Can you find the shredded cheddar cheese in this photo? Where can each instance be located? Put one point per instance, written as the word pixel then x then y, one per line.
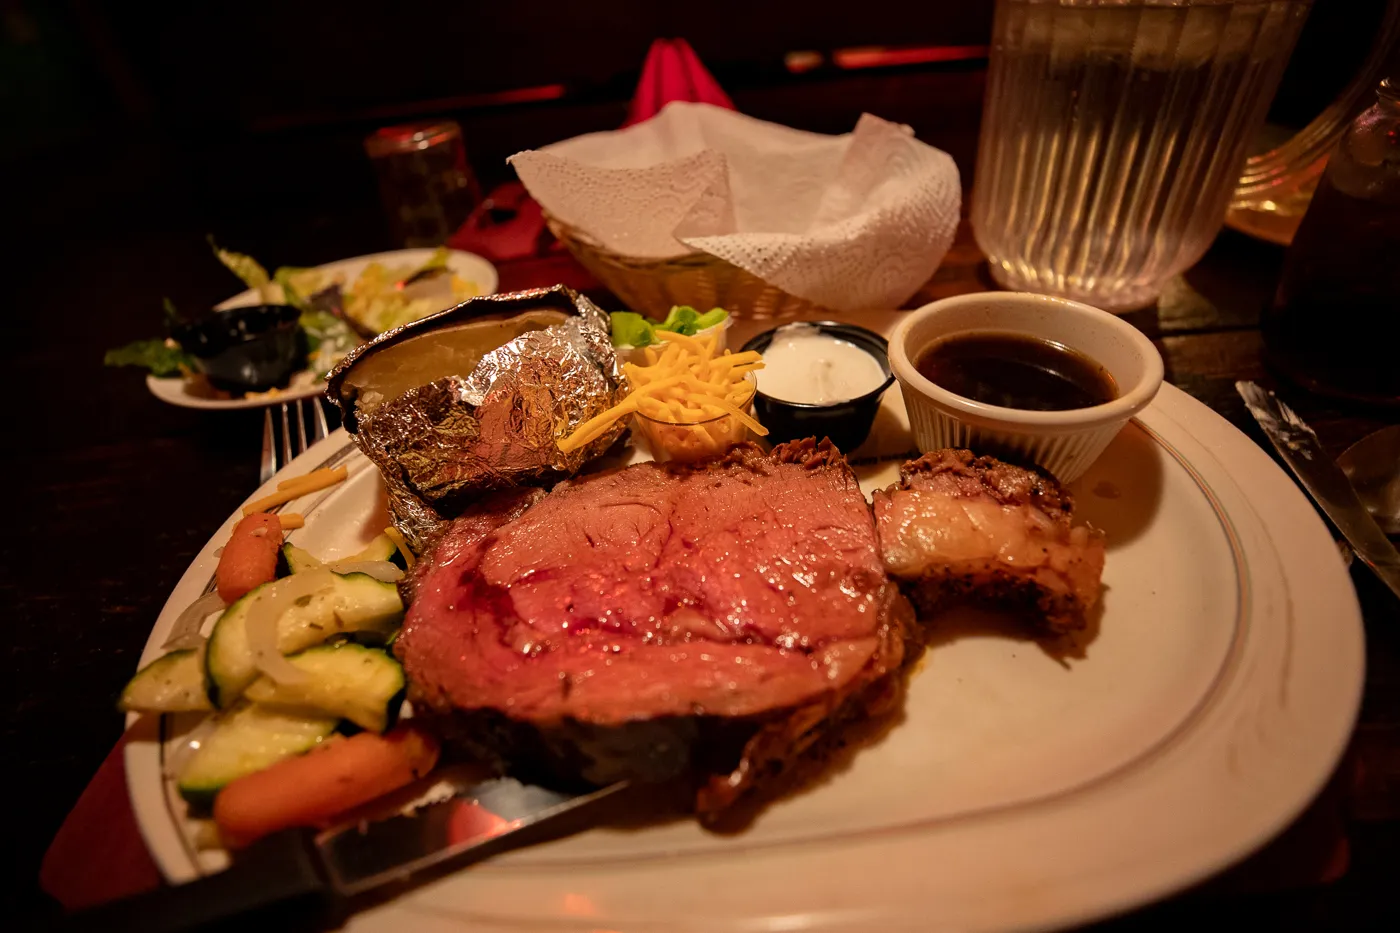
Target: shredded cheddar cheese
pixel 685 386
pixel 319 479
pixel 288 490
pixel 393 535
pixel 290 520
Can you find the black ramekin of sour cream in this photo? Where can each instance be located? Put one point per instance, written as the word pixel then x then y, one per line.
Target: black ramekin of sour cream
pixel 846 421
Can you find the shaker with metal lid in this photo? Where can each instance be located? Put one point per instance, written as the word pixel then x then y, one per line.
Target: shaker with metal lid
pixel 1334 326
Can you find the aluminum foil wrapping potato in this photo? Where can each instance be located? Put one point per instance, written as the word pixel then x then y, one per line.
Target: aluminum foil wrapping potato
pixel 473 399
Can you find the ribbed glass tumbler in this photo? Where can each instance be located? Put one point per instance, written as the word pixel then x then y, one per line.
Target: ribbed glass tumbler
pixel 1113 134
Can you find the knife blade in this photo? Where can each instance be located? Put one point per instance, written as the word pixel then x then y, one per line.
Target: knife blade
pixel 1299 447
pixel 301 879
pixel 458 814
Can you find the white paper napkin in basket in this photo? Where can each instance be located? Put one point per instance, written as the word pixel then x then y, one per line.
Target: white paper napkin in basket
pixel 848 222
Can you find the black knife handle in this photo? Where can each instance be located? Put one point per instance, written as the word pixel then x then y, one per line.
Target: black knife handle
pixel 274 884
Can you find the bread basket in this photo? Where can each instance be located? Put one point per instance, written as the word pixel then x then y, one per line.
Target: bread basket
pixel 654 286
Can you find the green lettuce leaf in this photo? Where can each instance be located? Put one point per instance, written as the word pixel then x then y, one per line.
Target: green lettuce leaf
pixel 298 285
pixel 438 260
pixel 681 320
pixel 710 318
pixel 246 268
pixel 158 356
pixel 631 330
pixel 328 339
pixel 172 314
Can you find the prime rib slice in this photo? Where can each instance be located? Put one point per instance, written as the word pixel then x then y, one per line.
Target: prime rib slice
pixel 713 619
pixel 959 526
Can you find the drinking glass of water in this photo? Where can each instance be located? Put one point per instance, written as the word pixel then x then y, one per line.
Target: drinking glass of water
pixel 1113 134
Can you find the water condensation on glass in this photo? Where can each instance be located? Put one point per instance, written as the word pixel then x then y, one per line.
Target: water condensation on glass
pixel 1113 134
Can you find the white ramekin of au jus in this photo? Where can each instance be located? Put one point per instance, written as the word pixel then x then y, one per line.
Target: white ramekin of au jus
pixel 1064 443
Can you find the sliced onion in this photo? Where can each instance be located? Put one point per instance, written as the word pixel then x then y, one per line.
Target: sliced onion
pixel 314 565
pixel 266 611
pixel 186 632
pixel 381 570
pixel 179 753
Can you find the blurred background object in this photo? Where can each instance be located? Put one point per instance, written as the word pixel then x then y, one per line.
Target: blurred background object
pixel 1277 185
pixel 425 184
pixel 1335 323
pixel 192 134
pixel 672 71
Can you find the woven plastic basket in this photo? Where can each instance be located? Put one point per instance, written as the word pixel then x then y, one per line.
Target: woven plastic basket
pixel 654 286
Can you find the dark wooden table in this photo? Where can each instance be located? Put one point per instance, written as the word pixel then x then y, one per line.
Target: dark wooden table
pixel 113 493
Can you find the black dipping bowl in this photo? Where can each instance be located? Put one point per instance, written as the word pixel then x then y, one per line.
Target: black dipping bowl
pixel 246 349
pixel 846 423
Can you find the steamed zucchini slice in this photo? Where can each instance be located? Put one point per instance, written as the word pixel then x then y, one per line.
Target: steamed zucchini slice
pixel 363 685
pixel 352 602
pixel 172 683
pixel 382 548
pixel 298 560
pixel 244 740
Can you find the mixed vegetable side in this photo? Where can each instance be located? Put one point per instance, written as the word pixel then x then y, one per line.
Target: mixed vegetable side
pixel 297 672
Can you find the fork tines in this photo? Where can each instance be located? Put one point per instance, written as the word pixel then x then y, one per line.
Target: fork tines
pixel 288 440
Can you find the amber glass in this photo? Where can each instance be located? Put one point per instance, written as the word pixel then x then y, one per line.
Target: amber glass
pixel 426 186
pixel 1334 325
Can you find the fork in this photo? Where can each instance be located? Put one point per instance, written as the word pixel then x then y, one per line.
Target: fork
pixel 273 440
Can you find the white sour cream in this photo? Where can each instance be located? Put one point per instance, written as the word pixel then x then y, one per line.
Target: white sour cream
pixel 802 364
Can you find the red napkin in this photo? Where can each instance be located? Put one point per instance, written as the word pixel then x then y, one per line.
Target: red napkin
pixel 98 854
pixel 515 238
pixel 672 71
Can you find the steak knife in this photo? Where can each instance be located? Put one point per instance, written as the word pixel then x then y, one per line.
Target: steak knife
pixel 305 879
pixel 1298 445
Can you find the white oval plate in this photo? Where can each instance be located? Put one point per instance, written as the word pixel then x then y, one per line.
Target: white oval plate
pixel 1020 791
pixel 469 266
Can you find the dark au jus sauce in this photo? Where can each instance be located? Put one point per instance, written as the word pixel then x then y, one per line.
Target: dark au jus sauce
pixel 1016 371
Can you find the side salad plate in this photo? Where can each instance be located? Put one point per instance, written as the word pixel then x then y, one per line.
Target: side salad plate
pixel 362 279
